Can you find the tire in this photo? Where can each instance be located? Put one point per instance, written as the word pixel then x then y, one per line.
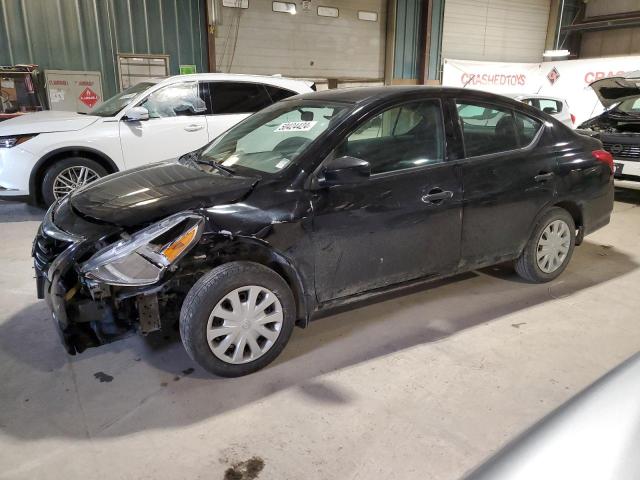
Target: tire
pixel 210 292
pixel 527 265
pixel 48 194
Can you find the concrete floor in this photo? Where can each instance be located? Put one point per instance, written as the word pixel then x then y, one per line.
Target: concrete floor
pixel 422 386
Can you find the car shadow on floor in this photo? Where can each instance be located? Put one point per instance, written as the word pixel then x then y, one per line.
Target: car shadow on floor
pixel 136 385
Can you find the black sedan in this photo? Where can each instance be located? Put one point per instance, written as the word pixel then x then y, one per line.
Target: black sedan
pixel 313 203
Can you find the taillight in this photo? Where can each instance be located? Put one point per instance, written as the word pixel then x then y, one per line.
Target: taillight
pixel 573 118
pixel 603 156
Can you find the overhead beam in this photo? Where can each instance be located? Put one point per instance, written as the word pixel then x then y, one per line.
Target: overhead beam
pixel 608 22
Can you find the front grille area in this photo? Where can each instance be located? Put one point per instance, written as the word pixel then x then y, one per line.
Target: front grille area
pixel 45 251
pixel 623 151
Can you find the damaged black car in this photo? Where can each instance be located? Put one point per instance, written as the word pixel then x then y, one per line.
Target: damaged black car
pixel 618 127
pixel 316 202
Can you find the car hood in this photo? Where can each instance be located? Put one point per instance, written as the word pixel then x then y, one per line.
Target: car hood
pixel 146 194
pixel 46 122
pixel 616 89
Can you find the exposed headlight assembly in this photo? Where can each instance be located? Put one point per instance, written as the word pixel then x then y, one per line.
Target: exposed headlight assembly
pixel 143 257
pixel 12 141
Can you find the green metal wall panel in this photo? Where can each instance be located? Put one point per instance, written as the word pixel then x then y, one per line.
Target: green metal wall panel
pixel 407 42
pixel 434 71
pixel 87 34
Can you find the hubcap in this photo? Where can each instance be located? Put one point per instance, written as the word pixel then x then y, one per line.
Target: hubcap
pixel 553 246
pixel 71 178
pixel 245 324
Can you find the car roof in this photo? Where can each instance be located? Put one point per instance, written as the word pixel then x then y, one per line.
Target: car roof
pixel 532 95
pixel 376 94
pixel 289 83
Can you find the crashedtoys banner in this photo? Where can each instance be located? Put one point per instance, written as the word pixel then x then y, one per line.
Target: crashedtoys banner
pixel 568 79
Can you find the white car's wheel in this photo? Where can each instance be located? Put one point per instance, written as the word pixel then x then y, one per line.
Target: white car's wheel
pixel 66 175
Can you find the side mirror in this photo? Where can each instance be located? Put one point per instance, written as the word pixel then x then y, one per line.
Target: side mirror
pixel 345 171
pixel 136 114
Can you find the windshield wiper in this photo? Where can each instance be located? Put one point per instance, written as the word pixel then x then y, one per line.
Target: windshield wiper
pixel 229 172
pixel 195 157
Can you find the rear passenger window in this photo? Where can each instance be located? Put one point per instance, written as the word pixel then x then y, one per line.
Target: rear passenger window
pixel 550 106
pixel 278 94
pixel 490 129
pixel 402 137
pixel 238 97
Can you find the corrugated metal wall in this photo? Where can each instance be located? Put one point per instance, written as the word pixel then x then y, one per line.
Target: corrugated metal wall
pixel 87 34
pixel 495 30
pixel 408 35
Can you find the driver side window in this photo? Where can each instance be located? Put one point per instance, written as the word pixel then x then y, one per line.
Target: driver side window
pixel 406 136
pixel 182 99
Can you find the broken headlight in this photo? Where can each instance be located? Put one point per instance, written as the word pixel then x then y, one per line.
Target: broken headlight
pixel 142 258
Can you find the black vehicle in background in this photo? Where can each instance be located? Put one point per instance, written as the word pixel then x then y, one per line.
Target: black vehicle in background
pixel 312 203
pixel 619 126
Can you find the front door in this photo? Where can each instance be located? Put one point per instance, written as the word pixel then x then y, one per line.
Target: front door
pixel 177 124
pixel 508 177
pixel 401 224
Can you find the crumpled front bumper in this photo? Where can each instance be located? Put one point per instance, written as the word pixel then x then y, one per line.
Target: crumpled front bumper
pixel 52 260
pixel 84 317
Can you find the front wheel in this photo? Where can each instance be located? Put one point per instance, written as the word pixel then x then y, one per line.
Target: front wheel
pixel 237 318
pixel 549 249
pixel 66 175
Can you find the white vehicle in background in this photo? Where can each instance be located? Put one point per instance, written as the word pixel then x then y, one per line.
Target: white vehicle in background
pixel 556 107
pixel 45 155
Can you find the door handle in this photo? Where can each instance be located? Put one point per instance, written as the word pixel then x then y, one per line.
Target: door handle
pixel 544 176
pixel 193 127
pixel 437 196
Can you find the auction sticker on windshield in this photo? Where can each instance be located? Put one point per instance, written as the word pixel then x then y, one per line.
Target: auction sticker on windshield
pixel 296 126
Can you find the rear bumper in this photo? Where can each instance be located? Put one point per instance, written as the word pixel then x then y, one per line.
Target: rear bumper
pixel 596 212
pixel 630 183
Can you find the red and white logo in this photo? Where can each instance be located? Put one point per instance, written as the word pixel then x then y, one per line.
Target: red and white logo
pixel 553 75
pixel 89 97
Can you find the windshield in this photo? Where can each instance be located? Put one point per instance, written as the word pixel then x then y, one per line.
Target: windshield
pixel 631 106
pixel 272 139
pixel 116 103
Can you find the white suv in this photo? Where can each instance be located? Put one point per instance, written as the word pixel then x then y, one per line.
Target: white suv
pixel 44 155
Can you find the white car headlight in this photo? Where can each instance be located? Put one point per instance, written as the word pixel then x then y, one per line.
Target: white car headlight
pixel 12 141
pixel 142 258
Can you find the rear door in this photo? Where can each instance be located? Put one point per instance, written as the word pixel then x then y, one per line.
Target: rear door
pixel 401 224
pixel 231 102
pixel 508 175
pixel 177 124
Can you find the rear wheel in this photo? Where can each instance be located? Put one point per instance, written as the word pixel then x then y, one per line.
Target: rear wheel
pixel 66 175
pixel 237 318
pixel 549 249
